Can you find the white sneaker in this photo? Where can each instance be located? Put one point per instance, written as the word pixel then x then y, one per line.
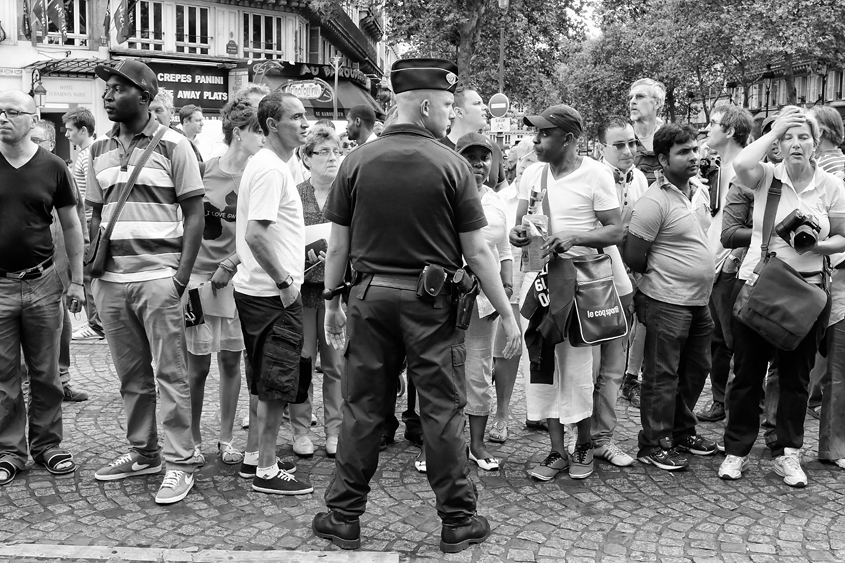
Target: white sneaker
pixel 245 421
pixel 303 447
pixel 788 466
pixel 732 468
pixel 175 486
pixel 331 446
pixel 612 453
pixel 840 462
pixel 85 332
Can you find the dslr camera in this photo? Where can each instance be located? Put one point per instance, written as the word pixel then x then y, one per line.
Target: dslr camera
pixel 800 230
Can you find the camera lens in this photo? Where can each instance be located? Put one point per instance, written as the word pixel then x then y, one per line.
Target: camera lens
pixel 804 239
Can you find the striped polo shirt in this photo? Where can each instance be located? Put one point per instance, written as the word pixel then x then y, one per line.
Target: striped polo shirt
pixel 146 243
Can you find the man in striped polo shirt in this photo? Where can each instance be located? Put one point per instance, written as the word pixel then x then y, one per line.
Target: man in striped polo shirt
pixel 151 255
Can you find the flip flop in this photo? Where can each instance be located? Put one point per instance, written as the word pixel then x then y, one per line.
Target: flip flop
pixel 54 458
pixel 9 468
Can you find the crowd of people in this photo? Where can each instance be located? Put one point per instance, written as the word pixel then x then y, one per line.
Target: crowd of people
pixel 415 263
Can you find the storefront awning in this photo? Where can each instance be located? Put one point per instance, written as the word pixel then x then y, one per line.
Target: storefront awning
pixel 67 67
pixel 348 94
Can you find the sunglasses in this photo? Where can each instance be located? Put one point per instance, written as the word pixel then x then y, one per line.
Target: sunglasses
pixel 620 146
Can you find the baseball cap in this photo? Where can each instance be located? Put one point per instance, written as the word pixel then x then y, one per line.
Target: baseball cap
pixel 423 74
pixel 134 71
pixel 768 122
pixel 473 140
pixel 561 116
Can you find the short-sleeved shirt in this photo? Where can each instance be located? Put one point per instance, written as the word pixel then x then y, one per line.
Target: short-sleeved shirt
pixel 146 242
pixel 679 268
pixel 80 174
pixel 221 209
pixel 497 229
pixel 268 193
pixel 823 198
pixel 632 186
pixel 497 171
pixel 833 161
pixel 28 196
pixel 726 177
pixel 405 198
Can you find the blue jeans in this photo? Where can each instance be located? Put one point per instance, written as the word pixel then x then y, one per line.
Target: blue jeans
pixel 609 361
pixel 677 361
pixel 30 321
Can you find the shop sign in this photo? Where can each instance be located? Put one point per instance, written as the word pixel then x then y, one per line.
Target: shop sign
pixel 67 90
pixel 309 90
pixel 203 86
pixel 304 71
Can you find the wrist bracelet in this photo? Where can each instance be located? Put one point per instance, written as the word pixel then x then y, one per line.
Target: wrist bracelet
pixel 179 283
pixel 507 285
pixel 227 268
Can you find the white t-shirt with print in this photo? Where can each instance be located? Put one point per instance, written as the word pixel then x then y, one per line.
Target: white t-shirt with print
pixel 268 193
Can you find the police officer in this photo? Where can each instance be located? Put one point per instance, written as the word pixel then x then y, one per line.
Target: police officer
pixel 391 230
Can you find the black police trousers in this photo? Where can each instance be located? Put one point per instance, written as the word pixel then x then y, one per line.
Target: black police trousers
pixel 383 327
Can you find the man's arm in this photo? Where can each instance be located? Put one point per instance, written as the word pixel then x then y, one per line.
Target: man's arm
pixel 609 234
pixel 483 264
pixel 259 243
pixel 517 235
pixel 194 223
pixel 336 259
pixel 636 253
pixel 72 232
pixel 736 217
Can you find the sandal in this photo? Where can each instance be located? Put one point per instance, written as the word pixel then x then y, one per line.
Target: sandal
pixel 419 463
pixel 499 432
pixel 58 462
pixel 229 454
pixel 199 459
pixel 9 468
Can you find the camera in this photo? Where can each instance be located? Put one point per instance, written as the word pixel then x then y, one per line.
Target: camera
pixel 707 165
pixel 800 230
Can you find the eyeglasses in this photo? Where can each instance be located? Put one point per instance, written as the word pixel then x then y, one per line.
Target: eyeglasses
pixel 620 146
pixel 714 123
pixel 13 113
pixel 326 152
pixel 37 140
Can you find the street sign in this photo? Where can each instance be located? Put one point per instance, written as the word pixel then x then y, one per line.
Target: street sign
pixel 499 105
pixel 499 124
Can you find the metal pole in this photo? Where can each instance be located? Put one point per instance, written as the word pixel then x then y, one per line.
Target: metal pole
pixel 767 102
pixel 336 62
pixel 501 55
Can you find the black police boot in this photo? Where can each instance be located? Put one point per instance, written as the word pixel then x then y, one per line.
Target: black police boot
pixel 458 536
pixel 344 533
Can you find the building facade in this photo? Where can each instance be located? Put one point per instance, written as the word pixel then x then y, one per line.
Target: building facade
pixel 201 50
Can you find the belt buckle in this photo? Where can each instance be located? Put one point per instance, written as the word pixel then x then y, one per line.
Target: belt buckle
pixel 16 275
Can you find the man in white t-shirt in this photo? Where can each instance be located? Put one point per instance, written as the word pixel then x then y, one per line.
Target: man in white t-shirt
pixel 583 216
pixel 270 241
pixel 727 134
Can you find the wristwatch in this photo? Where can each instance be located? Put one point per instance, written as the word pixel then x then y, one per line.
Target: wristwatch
pixel 288 281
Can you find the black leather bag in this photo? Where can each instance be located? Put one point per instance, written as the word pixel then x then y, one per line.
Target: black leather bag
pixel 598 315
pixel 777 302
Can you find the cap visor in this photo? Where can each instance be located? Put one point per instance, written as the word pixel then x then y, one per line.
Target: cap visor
pixel 482 145
pixel 103 72
pixel 539 122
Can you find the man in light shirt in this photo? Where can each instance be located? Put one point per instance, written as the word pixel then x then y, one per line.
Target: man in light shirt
pixel 360 123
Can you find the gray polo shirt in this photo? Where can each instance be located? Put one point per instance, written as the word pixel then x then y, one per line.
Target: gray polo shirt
pixel 679 265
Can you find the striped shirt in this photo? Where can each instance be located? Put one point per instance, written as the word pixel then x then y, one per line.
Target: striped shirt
pixel 146 243
pixel 833 161
pixel 80 174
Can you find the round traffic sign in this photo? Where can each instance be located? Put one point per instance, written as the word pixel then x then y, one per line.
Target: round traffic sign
pixel 499 105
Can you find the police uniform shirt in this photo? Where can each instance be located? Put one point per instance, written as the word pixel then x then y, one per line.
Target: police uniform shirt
pixel 405 198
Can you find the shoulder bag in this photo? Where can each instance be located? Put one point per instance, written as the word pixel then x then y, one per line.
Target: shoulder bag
pixel 777 302
pixel 98 252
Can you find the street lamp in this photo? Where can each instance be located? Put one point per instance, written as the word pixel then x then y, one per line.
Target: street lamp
pixel 336 64
pixel 767 82
pixel 690 98
pixel 732 86
pixel 503 7
pixel 823 70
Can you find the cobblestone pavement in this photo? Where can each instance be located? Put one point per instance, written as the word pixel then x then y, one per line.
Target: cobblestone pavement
pixel 633 514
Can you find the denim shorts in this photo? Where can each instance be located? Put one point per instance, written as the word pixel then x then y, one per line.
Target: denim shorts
pixel 273 341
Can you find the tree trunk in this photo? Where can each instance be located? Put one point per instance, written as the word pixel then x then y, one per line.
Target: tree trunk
pixel 703 91
pixel 789 79
pixel 470 32
pixel 670 102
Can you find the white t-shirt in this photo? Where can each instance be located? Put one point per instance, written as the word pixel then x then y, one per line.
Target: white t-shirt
pixel 573 203
pixel 268 193
pixel 496 232
pixel 714 233
pixel 628 192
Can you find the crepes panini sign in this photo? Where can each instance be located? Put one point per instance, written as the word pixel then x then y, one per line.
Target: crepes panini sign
pixel 203 86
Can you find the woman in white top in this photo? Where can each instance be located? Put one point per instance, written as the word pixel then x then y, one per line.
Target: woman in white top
pixel 808 188
pixel 478 150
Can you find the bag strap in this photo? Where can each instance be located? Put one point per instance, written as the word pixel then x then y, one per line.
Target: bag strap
pixel 124 196
pixel 769 217
pixel 544 185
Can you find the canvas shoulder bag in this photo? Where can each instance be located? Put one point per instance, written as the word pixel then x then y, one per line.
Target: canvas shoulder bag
pixel 98 251
pixel 777 302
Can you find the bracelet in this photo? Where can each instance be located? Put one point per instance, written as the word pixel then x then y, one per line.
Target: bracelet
pixel 507 285
pixel 227 268
pixel 77 283
pixel 178 282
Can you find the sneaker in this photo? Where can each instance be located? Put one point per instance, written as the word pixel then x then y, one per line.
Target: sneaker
pixel 283 483
pixel 175 486
pixel 668 460
pixel 85 332
pixel 788 466
pixel 840 463
pixel 732 468
pixel 245 421
pixel 715 413
pixel 199 459
pixel 303 447
pixel 331 446
pixel 815 412
pixel 611 453
pixel 631 390
pixel 247 470
pixel 697 445
pixel 129 465
pixel 72 395
pixel 581 466
pixel 313 419
pixel 549 467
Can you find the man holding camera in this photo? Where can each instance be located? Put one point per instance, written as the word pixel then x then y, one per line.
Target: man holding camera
pixel 727 134
pixel 397 308
pixel 667 242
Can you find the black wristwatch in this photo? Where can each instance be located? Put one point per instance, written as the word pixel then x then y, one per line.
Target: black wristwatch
pixel 288 281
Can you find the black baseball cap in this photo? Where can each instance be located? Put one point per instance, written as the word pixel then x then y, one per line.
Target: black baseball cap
pixel 560 116
pixel 423 74
pixel 134 71
pixel 473 140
